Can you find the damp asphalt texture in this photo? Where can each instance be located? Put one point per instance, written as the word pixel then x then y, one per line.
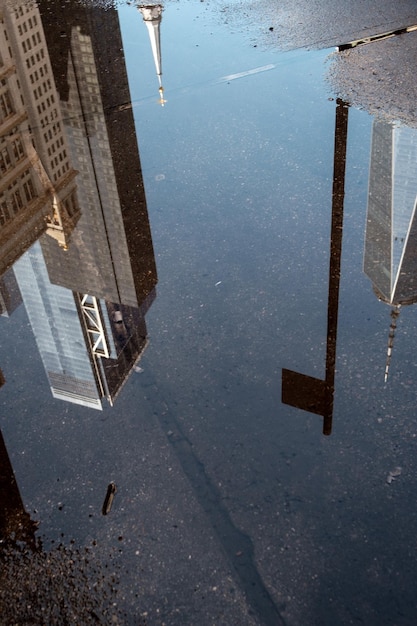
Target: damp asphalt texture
pixel 70 585
pixel 378 77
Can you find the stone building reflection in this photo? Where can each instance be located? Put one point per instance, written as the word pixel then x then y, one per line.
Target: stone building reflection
pixel 390 257
pixel 90 279
pixel 299 390
pixel 37 185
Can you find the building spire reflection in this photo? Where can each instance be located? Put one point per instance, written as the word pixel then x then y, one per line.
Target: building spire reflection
pixel 152 16
pixel 306 392
pixel 395 313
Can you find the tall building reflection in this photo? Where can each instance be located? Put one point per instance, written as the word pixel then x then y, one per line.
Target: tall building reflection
pixel 299 390
pixel 10 297
pixel 89 281
pixel 111 254
pixel 37 188
pixel 390 257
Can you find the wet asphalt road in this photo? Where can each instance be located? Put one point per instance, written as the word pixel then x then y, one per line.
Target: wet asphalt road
pixel 377 77
pixel 318 24
pixel 188 541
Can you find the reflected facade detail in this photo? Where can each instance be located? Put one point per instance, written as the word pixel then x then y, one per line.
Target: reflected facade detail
pixel 90 279
pixel 37 185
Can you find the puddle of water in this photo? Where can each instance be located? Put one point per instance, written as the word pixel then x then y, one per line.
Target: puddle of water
pixel 239 262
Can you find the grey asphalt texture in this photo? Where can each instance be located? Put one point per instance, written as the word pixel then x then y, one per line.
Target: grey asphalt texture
pixel 378 77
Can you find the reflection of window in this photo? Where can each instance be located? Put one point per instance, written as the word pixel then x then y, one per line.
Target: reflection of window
pixel 17 146
pixel 29 189
pixel 16 199
pixel 5 161
pixel 70 204
pixel 18 195
pixel 6 107
pixel 4 212
pixel 11 153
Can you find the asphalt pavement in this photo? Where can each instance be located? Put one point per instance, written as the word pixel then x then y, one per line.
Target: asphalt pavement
pixel 378 77
pixel 293 24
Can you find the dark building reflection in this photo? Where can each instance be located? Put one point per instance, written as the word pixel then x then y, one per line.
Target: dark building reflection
pixel 16 524
pixel 10 297
pixel 299 390
pixel 390 258
pixel 90 279
pixel 111 254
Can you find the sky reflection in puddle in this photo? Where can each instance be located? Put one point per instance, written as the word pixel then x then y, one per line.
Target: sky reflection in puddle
pixel 217 247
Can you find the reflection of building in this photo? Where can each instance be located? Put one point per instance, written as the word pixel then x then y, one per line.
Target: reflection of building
pixel 390 258
pixel 37 190
pixel 88 346
pixel 59 335
pixel 152 16
pixel 86 300
pixel 111 254
pixel 10 297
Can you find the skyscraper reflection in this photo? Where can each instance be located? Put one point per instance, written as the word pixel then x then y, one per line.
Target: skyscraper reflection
pixel 89 281
pixel 390 258
pixel 37 186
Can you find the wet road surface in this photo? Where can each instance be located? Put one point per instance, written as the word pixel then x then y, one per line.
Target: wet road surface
pixel 208 305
